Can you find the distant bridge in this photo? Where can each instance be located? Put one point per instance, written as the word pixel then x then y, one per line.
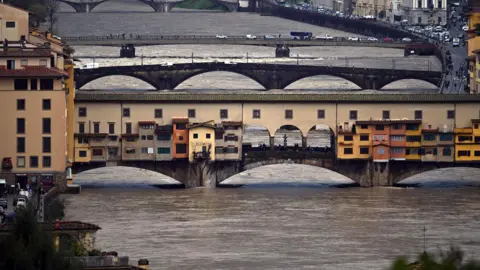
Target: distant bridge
pixel 270 76
pixel 144 40
pixel 158 6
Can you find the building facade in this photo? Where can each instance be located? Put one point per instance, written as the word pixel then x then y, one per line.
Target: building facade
pixel 33 102
pixel 428 12
pixel 474 46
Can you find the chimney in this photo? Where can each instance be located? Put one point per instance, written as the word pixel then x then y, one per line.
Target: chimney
pixel 143 263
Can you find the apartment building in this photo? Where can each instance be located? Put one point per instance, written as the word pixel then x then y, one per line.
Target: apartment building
pixel 474 46
pixel 32 102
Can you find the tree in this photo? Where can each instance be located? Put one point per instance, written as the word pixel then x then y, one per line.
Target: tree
pixel 52 9
pixel 453 259
pixel 39 14
pixel 30 246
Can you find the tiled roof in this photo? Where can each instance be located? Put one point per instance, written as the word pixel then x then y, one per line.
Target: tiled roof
pixel 32 71
pixel 81 96
pixel 205 124
pixel 25 53
pixel 232 123
pixel 475 121
pixel 62 226
pixel 180 120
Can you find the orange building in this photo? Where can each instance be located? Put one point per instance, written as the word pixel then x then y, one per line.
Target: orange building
pixel 397 140
pixel 180 137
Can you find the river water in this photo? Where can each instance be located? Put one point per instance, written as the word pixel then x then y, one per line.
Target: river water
pixel 296 223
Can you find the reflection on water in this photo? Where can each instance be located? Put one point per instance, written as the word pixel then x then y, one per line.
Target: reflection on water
pixel 278 228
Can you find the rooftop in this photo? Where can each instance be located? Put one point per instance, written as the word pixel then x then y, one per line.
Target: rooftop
pixel 32 71
pixel 150 96
pixel 25 53
pixel 387 122
pixel 62 226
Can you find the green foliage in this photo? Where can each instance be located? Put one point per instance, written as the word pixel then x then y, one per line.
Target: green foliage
pixel 28 246
pixel 453 259
pixel 55 210
pixel 41 10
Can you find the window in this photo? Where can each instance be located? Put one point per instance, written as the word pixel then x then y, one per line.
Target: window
pixel 463 153
pixel 81 127
pixel 111 128
pixel 10 24
pixel 47 162
pixel 10 64
pixel 348 151
pixel 20 125
pixel 447 151
pixel 96 128
pixel 386 114
pixel 476 153
pixel 163 150
pixel 46 104
pixel 348 138
pixel 195 135
pixel 381 151
pixel 43 62
pixel 218 135
pixel 46 125
pixel 414 138
pixel 130 150
pixel 82 112
pixel 223 113
pixel 363 126
pixel 163 137
pixel 158 113
pixel 208 136
pixel 47 144
pixel 33 162
pixel 397 126
pixel 439 6
pixel 82 153
pixel 20 84
pixel 33 84
pixel 412 126
pixel 181 126
pixel 464 138
pixel 24 62
pixel 450 114
pixel 150 137
pixel 231 138
pixel 21 162
pixel 397 150
pixel 418 115
pixel 128 128
pixel 288 114
pixel 378 137
pixel 231 150
pixel 180 138
pixel 181 148
pixel 429 137
pixel 82 140
pixel 112 138
pixel 396 138
pixel 320 114
pixel 126 112
pixel 20 145
pixel 364 137
pixel 219 150
pixel 112 151
pixel 353 115
pixel 446 137
pixel 364 150
pixel 20 104
pixel 379 127
pixel 144 150
pixel 475 126
pixel 143 137
pixel 191 113
pixel 46 84
pixel 256 114
pixel 97 152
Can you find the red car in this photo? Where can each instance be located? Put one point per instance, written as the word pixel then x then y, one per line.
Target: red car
pixel 387 39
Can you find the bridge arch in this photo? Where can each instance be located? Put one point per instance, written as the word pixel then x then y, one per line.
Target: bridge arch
pixel 256 136
pixel 206 71
pixel 346 77
pixel 81 83
pixel 463 175
pixel 290 135
pixel 91 175
pixel 432 81
pixel 316 81
pixel 288 172
pixel 320 136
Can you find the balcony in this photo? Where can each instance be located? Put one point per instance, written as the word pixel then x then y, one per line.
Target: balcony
pixel 467 130
pixel 201 155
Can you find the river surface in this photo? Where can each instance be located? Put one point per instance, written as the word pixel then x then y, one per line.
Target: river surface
pixel 279 228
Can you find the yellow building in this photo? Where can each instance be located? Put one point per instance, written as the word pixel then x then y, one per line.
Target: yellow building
pixel 473 46
pixel 201 143
pixel 32 102
pixel 467 142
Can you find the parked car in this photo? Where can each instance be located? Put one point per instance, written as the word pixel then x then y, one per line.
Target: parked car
pixel 456 42
pixel 251 37
pixel 3 203
pixel 387 39
pixel 372 39
pixel 465 28
pixel 406 39
pixel 221 36
pixel 353 38
pixel 269 37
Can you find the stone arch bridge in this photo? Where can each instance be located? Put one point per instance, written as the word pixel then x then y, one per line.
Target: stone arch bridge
pixel 365 173
pixel 158 6
pixel 270 76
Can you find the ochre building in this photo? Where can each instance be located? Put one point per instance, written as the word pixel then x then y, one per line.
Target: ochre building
pixel 33 101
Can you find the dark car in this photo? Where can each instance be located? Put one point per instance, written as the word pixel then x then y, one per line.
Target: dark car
pixel 3 203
